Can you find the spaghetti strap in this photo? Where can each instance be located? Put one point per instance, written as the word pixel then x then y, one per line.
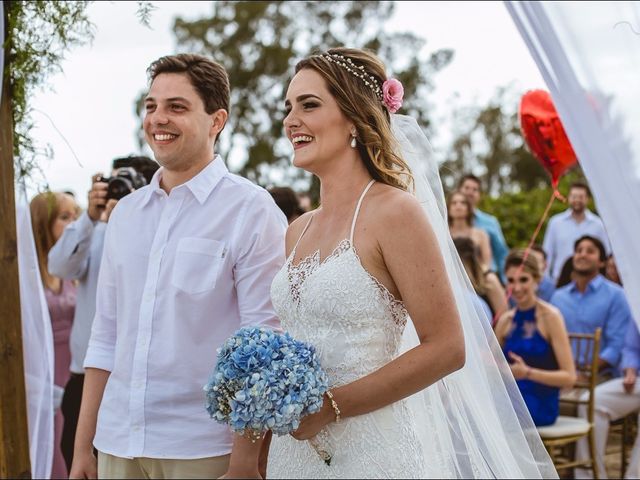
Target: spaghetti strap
pixel 355 215
pixel 303 232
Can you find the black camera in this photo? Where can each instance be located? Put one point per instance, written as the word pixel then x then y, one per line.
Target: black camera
pixel 125 181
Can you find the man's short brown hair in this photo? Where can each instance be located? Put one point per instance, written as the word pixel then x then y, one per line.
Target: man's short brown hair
pixel 209 78
pixel 473 178
pixel 596 243
pixel 580 185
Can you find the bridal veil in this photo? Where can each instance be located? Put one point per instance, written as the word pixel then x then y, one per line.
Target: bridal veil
pixel 472 423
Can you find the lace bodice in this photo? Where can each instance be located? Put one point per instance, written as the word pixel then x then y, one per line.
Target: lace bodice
pixel 356 325
pixel 353 320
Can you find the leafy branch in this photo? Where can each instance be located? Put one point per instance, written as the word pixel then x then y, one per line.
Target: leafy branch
pixel 38 35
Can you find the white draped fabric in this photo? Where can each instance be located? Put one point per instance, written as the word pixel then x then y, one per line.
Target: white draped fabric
pixel 589 56
pixel 37 344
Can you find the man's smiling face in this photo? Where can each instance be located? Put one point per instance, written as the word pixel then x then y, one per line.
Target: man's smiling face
pixel 176 125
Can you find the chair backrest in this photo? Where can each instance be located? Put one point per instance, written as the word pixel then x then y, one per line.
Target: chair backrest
pixel 586 348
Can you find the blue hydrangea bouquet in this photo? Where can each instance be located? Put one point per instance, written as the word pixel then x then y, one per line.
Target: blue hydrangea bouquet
pixel 265 380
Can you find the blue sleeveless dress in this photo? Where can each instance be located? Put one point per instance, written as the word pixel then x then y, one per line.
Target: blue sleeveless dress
pixel 526 341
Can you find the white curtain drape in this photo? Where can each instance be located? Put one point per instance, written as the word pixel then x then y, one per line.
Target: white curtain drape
pixel 589 55
pixel 37 344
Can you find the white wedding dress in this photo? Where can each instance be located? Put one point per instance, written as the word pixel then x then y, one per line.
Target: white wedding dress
pixel 356 325
pixel 472 423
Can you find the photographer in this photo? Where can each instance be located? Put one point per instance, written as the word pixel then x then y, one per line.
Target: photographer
pixel 76 256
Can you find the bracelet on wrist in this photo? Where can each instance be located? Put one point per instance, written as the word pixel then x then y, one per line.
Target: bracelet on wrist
pixel 334 405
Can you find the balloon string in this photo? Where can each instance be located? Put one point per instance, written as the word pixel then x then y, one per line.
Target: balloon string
pixel 554 195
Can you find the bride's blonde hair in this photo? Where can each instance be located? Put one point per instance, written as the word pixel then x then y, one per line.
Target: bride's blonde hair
pixel 362 104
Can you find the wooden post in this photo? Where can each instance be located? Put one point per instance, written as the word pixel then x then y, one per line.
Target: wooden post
pixel 14 433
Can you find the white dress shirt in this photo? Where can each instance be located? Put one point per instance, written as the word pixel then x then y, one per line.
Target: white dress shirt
pixel 180 274
pixel 76 256
pixel 563 231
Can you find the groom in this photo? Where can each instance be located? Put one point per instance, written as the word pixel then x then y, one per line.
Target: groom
pixel 187 260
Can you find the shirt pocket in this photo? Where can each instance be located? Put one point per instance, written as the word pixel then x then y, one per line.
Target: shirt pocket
pixel 197 264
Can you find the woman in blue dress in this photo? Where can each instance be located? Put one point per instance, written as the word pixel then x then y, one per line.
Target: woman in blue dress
pixel 535 341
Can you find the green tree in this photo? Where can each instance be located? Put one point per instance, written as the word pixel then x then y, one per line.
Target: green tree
pixel 38 36
pixel 520 212
pixel 260 42
pixel 489 141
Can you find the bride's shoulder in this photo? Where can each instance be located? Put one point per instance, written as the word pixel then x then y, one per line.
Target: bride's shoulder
pixel 394 206
pixel 295 229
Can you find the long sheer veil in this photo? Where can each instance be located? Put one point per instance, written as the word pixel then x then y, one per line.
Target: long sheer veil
pixel 472 423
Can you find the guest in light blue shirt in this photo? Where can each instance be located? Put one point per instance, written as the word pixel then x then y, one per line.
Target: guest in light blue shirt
pixel 631 350
pixel 591 301
pixel 546 287
pixel 76 256
pixel 499 248
pixel 471 186
pixel 565 228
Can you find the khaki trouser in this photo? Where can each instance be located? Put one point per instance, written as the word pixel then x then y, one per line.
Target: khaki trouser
pixel 612 403
pixel 161 468
pixel 571 410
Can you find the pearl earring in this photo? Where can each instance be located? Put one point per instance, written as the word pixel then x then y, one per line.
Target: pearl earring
pixel 353 141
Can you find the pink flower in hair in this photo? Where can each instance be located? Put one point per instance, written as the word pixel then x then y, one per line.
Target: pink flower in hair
pixel 392 93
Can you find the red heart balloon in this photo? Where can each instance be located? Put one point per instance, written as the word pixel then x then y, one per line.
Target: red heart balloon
pixel 544 134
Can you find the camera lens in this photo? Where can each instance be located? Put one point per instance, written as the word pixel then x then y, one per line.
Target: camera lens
pixel 118 188
pixel 125 181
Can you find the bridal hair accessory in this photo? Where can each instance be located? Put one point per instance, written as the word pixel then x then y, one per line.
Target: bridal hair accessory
pixel 391 93
pixel 357 71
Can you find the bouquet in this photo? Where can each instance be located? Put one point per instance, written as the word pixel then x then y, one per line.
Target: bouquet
pixel 265 380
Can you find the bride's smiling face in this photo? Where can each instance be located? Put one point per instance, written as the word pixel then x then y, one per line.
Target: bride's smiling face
pixel 318 130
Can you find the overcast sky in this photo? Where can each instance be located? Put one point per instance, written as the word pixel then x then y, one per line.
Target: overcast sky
pixel 91 101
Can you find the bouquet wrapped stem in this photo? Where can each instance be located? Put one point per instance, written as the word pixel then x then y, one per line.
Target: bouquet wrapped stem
pixel 319 445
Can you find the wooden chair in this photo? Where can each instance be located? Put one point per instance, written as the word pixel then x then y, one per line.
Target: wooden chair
pixel 567 430
pixel 626 428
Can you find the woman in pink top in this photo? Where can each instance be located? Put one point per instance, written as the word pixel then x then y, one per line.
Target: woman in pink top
pixel 50 214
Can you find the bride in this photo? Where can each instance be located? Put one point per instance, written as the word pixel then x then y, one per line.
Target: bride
pixel 418 385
